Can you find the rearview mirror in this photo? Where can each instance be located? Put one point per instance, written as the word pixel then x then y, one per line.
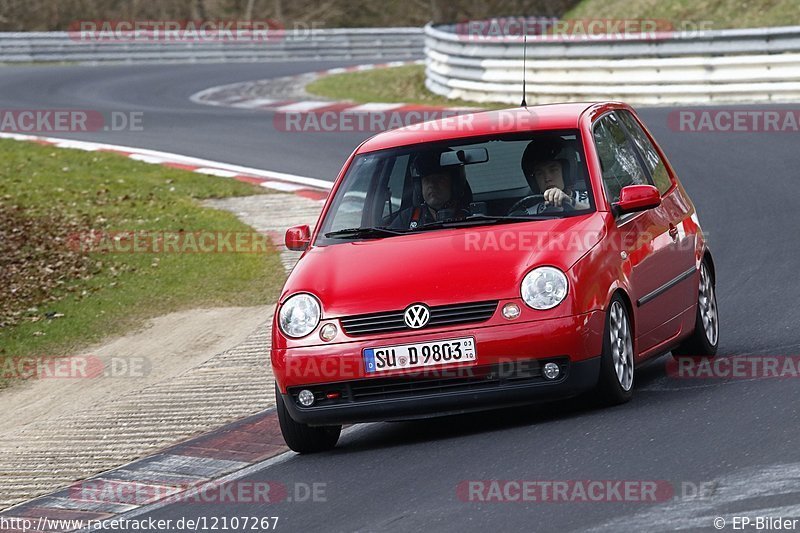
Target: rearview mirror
pixel 298 238
pixel 635 198
pixel 470 156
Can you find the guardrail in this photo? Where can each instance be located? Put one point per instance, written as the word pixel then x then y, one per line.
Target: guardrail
pixel 712 66
pixel 317 44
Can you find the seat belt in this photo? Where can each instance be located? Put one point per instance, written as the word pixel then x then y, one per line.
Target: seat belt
pixel 416 214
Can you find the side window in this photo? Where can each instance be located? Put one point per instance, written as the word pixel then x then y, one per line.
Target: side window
pixel 349 207
pixel 618 159
pixel 657 168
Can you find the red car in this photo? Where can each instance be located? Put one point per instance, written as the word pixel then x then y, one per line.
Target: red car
pixel 485 260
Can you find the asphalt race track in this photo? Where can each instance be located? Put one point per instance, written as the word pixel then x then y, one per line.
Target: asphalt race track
pixel 736 435
pixel 172 123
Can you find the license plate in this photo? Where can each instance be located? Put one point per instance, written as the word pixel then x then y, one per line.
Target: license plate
pixel 419 355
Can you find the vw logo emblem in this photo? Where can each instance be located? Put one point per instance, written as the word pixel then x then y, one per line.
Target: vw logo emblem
pixel 416 316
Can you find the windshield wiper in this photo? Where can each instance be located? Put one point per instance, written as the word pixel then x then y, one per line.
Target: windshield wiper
pixel 363 233
pixel 477 220
pixel 520 218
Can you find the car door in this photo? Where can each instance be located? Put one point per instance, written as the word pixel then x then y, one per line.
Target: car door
pixel 646 247
pixel 674 213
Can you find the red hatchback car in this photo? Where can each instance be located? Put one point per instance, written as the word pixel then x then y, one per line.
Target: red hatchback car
pixel 490 259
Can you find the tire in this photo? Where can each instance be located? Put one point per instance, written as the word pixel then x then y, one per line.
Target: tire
pixel 704 340
pixel 617 362
pixel 303 438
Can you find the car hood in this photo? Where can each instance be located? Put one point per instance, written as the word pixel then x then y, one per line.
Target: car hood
pixel 440 266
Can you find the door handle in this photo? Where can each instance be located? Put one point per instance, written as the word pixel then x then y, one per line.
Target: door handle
pixel 673 232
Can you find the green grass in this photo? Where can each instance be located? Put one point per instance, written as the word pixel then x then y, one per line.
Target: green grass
pixel 113 193
pixel 404 84
pixel 720 13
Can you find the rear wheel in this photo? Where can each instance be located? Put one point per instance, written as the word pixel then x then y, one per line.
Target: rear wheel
pixel 303 438
pixel 705 338
pixel 615 385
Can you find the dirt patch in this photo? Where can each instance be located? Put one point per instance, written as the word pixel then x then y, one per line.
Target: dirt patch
pixel 165 348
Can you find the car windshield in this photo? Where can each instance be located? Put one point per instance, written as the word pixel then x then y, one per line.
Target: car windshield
pixel 463 183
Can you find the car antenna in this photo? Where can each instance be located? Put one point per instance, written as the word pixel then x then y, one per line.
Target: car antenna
pixel 524 58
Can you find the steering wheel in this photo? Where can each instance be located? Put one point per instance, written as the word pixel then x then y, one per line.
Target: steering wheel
pixel 538 201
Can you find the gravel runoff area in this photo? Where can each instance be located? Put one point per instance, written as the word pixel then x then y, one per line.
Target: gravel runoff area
pixel 206 368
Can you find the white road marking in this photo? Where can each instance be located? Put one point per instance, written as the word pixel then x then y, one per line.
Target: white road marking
pixel 280 186
pixel 216 172
pixel 147 158
pixel 77 145
pixel 735 495
pixel 255 102
pixel 156 156
pixel 375 106
pixel 309 105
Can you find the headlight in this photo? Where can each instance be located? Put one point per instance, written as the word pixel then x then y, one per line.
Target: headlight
pixel 299 315
pixel 544 288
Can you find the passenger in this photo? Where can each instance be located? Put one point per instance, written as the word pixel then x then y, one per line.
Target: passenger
pixel 445 193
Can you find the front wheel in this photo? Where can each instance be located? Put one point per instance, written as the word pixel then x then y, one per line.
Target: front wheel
pixel 704 339
pixel 303 438
pixel 615 385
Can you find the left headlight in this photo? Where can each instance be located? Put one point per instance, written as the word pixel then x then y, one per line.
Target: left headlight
pixel 544 288
pixel 299 315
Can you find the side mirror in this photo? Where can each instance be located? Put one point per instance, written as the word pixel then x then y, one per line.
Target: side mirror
pixel 635 198
pixel 298 238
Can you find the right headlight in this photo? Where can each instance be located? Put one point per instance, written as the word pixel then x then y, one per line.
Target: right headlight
pixel 299 315
pixel 544 288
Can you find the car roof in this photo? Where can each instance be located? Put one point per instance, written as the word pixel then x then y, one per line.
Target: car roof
pixel 512 120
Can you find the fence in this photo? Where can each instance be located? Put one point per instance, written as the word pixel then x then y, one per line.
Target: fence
pixel 710 66
pixel 317 44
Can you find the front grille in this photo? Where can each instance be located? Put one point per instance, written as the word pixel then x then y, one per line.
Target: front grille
pixel 440 316
pixel 435 381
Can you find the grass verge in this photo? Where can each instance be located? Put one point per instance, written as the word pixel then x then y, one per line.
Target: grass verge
pixel 404 84
pixel 58 300
pixel 720 14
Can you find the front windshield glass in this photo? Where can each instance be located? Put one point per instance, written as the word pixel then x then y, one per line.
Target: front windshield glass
pixel 466 182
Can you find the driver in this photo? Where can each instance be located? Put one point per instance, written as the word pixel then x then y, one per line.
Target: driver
pixel 445 193
pixel 549 176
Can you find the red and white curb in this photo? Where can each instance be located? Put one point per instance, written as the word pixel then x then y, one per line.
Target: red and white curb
pixel 358 68
pixel 311 188
pixel 190 472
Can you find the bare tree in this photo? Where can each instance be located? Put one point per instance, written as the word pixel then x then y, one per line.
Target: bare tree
pixel 21 15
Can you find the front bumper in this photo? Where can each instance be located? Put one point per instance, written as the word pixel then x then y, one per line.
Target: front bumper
pixel 386 399
pixel 574 342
